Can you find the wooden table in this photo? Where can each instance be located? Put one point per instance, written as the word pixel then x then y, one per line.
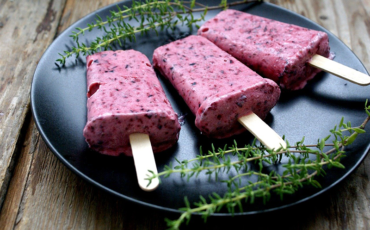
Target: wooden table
pixel 39 192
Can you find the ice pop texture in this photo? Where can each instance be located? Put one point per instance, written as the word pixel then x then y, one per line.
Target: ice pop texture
pixel 217 88
pixel 125 97
pixel 275 50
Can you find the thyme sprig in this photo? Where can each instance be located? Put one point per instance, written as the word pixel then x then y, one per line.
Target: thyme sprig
pixel 302 164
pixel 150 15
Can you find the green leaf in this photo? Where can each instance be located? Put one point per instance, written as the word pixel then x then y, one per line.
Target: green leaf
pixel 321 144
pixel 351 139
pixel 341 122
pixel 367 112
pixel 192 4
pixel 338 165
pixel 358 130
pixel 315 183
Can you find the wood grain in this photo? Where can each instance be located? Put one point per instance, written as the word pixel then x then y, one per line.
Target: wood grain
pixel 25 30
pixel 339 70
pixel 39 192
pixel 260 130
pixel 16 188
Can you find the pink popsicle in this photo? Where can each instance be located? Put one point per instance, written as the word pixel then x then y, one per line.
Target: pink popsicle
pixel 275 50
pixel 125 97
pixel 217 88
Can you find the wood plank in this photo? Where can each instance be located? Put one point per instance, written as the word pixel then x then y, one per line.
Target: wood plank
pixel 17 185
pixel 359 31
pixel 75 10
pixel 26 29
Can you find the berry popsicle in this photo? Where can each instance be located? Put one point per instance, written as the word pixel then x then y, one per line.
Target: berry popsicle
pixel 218 89
pixel 276 50
pixel 126 98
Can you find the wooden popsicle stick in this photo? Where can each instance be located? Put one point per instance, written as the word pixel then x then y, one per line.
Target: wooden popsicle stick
pixel 264 133
pixel 144 160
pixel 339 70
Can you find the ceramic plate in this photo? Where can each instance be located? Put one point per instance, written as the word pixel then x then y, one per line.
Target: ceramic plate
pixel 58 99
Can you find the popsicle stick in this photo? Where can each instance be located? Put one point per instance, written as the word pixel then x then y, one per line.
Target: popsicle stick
pixel 144 160
pixel 264 133
pixel 339 70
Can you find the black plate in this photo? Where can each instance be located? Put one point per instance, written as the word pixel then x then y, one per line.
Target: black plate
pixel 58 99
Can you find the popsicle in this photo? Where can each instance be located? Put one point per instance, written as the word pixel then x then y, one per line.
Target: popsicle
pixel 217 88
pixel 125 99
pixel 282 52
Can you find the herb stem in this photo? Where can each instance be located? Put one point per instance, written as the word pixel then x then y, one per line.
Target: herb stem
pixel 299 170
pixel 158 14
